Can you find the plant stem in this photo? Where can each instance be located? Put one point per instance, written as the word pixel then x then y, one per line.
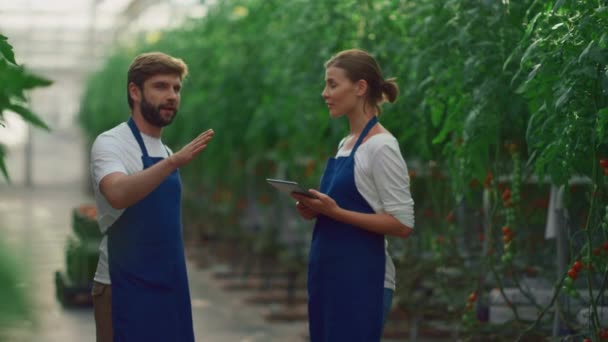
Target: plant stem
pixel 540 316
pixel 501 288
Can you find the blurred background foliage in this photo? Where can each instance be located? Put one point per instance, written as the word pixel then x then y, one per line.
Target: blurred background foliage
pixel 15 81
pixel 495 96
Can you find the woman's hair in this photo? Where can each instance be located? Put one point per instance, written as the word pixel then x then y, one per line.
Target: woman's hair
pixel 360 65
pixel 151 64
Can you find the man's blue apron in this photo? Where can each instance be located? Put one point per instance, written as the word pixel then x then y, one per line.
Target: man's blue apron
pixel 346 264
pixel 150 295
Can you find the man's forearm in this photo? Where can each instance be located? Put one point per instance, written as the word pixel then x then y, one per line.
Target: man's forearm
pixel 123 190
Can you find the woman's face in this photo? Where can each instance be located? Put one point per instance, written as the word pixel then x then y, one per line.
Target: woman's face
pixel 340 93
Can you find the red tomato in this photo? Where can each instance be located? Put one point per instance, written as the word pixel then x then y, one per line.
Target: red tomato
pixel 506 194
pixel 450 217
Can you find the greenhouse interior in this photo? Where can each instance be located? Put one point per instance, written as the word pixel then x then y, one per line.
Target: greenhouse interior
pixel 490 222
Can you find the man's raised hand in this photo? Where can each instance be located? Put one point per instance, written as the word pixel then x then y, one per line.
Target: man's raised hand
pixel 188 152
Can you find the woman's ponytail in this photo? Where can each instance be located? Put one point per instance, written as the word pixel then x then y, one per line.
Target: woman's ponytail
pixel 390 90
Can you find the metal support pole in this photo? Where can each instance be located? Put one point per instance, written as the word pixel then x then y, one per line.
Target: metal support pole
pixel 561 241
pixel 29 157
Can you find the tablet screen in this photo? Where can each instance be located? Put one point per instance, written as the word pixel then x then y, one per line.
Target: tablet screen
pixel 288 187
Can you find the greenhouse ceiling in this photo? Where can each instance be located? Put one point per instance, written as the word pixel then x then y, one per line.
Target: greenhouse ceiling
pixel 75 35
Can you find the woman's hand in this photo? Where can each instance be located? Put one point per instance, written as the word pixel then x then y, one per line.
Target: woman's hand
pixel 305 212
pixel 384 224
pixel 323 204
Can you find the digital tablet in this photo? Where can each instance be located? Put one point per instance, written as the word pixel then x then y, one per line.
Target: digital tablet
pixel 288 187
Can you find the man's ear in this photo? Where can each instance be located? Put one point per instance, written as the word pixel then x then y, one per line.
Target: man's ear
pixel 361 87
pixel 134 92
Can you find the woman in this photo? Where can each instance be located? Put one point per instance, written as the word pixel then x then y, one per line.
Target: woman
pixel 364 196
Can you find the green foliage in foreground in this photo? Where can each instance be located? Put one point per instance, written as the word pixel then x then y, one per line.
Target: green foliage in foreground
pixel 14 82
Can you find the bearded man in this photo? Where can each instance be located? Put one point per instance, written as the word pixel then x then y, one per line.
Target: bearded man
pixel 140 290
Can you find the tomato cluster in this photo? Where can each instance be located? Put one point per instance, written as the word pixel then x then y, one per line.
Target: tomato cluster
pixel 507 238
pixel 604 165
pixel 598 251
pixel 438 244
pixel 468 317
pixel 510 198
pixel 506 198
pixel 507 231
pixel 516 182
pixel 602 335
pixel 573 272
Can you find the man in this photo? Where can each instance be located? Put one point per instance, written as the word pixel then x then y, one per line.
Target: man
pixel 141 287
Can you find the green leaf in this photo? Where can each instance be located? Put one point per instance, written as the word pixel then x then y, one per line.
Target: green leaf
pixel 563 98
pixel 532 126
pixel 425 82
pixel 436 116
pixel 602 41
pixel 602 12
pixel 449 127
pixel 557 5
pixel 522 88
pixel 586 51
pixel 28 116
pixel 6 49
pixel 508 60
pixel 530 49
pixel 29 81
pixel 531 26
pixel 602 123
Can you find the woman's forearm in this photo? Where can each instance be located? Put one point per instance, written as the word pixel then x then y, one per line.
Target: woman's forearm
pixel 384 224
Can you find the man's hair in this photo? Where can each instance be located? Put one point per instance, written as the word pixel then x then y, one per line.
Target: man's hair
pixel 151 64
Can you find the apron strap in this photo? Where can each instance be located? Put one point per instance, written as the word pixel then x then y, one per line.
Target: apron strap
pixel 138 137
pixel 363 134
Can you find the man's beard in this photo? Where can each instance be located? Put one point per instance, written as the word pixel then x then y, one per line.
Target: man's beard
pixel 152 114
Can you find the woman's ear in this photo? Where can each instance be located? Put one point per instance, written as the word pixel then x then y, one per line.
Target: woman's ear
pixel 361 87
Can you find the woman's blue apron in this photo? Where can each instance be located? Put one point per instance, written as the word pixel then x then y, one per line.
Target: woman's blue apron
pixel 346 264
pixel 150 295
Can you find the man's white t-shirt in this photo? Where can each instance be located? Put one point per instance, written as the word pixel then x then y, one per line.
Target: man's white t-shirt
pixel 382 178
pixel 116 150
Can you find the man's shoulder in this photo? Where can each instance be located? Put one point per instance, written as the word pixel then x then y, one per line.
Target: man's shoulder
pixel 118 137
pixel 118 133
